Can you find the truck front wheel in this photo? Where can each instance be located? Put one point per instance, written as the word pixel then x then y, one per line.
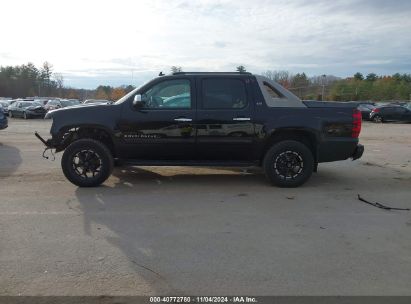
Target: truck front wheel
pixel 87 163
pixel 288 163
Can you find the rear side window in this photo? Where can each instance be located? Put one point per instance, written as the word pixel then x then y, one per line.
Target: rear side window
pixel 219 93
pixel 400 110
pixel 272 92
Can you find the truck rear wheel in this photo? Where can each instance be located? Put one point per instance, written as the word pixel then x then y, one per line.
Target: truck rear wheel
pixel 288 163
pixel 87 163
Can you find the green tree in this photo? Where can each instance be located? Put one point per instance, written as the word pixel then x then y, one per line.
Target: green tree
pixel 371 77
pixel 241 69
pixel 358 76
pixel 176 69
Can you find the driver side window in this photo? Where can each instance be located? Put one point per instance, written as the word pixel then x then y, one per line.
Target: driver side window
pixel 168 94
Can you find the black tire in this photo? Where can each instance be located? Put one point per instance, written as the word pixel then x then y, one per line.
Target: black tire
pixel 87 163
pixel 377 119
pixel 288 163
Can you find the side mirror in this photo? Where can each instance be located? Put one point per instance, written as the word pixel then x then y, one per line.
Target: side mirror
pixel 138 102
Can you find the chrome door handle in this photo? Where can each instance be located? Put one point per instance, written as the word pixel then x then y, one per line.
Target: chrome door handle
pixel 242 118
pixel 183 119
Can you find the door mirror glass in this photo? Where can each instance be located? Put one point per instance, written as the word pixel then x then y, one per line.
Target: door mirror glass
pixel 138 102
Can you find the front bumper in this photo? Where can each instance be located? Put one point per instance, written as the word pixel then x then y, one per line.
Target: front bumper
pixel 358 152
pixel 36 114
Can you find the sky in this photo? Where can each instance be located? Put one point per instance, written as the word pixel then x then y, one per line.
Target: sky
pixel 129 42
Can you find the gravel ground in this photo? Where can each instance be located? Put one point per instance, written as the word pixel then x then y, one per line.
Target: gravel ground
pixel 176 230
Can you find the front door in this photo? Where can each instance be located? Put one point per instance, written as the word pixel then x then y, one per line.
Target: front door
pixel 225 129
pixel 164 128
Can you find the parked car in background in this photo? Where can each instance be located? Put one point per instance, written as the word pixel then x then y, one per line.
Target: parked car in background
pixel 26 109
pixel 391 113
pixel 365 110
pixel 3 121
pixel 4 107
pixel 54 104
pixel 97 101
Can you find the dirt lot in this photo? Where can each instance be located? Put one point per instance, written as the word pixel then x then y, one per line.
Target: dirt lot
pixel 192 231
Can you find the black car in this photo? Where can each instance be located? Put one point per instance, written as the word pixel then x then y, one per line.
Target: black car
pixel 365 110
pixel 391 113
pixel 3 121
pixel 205 119
pixel 26 109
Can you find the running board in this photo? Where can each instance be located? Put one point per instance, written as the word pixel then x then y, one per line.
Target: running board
pixel 193 163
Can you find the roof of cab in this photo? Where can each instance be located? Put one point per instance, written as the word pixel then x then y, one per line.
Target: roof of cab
pixel 212 73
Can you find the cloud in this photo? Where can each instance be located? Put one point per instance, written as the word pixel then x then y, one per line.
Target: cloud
pixel 117 40
pixel 220 44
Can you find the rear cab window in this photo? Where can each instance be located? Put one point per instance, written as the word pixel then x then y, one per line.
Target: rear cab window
pixel 274 94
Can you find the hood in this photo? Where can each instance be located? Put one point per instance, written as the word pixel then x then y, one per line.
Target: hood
pixel 34 107
pixel 81 108
pixel 102 115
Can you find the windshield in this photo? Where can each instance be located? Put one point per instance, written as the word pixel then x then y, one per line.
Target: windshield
pixel 67 103
pixel 30 104
pixel 127 96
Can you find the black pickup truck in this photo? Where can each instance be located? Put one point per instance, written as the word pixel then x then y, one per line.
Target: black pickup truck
pixel 205 119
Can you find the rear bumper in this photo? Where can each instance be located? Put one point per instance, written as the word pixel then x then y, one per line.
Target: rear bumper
pixel 339 149
pixel 358 152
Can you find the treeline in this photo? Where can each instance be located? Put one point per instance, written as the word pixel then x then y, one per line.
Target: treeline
pixel 27 80
pixel 372 87
pixel 358 87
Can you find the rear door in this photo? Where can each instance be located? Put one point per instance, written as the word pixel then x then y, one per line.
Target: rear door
pixel 404 114
pixel 225 129
pixel 389 113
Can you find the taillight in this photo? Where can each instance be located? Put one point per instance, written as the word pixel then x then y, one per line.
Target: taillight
pixel 376 110
pixel 356 123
